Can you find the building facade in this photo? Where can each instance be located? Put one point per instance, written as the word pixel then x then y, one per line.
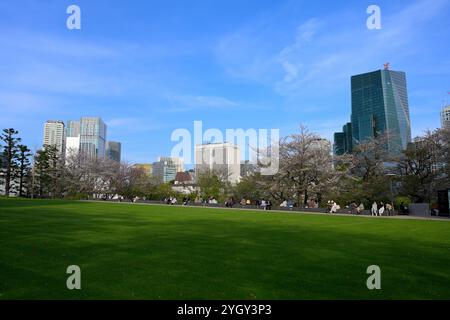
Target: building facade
pixel 223 158
pixel 54 135
pixel 343 140
pixel 379 105
pixel 178 162
pixel 445 117
pixel 164 171
pixel 73 128
pixel 146 167
pixel 113 150
pixel 92 134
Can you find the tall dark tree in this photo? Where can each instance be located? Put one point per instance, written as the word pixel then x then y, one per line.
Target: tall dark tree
pixel 9 156
pixel 48 171
pixel 24 167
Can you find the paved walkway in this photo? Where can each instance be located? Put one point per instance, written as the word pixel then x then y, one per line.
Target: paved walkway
pixel 401 217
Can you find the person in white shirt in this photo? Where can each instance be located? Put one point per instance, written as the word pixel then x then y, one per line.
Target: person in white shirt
pixel 374 209
pixel 381 210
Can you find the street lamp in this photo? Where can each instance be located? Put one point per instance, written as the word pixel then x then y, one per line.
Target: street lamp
pixel 390 175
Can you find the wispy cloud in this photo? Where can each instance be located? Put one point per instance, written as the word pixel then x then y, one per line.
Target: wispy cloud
pixel 325 52
pixel 187 103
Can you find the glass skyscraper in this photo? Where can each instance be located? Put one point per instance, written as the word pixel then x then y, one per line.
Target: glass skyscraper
pixel 92 135
pixel 379 104
pixel 113 150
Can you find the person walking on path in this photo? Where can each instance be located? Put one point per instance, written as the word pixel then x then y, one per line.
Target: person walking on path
pixel 381 210
pixel 374 210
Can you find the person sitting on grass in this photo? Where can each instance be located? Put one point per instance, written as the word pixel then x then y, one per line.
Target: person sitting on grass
pixel 334 207
pixel 388 209
pixel 360 208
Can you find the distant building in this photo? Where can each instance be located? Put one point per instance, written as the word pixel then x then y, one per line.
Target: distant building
pixel 445 117
pixel 113 150
pixel 146 167
pixel 178 162
pixel 73 128
pixel 224 158
pixel 343 140
pixel 338 144
pixel 164 171
pixel 184 178
pixel 247 168
pixel 379 105
pixel 54 135
pixel 92 134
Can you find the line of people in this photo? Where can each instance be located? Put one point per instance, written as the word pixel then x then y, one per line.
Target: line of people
pixel 382 209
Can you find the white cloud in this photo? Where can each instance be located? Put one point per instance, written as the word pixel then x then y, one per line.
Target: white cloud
pixel 325 53
pixel 186 103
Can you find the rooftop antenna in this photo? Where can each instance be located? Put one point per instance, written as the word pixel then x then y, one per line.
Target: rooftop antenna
pixel 386 66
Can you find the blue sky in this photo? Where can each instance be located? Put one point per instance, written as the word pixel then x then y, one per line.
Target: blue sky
pixel 150 67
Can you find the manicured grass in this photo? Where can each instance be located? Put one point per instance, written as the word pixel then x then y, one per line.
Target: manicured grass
pixel 163 252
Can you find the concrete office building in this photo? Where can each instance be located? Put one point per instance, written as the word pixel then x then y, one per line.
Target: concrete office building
pixel 223 158
pixel 178 162
pixel 164 171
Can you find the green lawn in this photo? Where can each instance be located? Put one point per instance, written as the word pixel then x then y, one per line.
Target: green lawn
pixel 130 251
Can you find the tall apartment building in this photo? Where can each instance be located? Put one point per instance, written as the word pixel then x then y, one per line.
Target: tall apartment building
pixel 224 158
pixel 54 135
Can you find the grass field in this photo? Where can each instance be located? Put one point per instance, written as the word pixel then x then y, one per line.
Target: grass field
pixel 130 251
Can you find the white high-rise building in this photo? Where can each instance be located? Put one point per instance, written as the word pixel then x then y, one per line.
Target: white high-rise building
pixel 54 135
pixel 445 117
pixel 223 158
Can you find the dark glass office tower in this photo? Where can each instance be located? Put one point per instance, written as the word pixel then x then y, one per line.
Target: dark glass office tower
pixel 343 140
pixel 380 103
